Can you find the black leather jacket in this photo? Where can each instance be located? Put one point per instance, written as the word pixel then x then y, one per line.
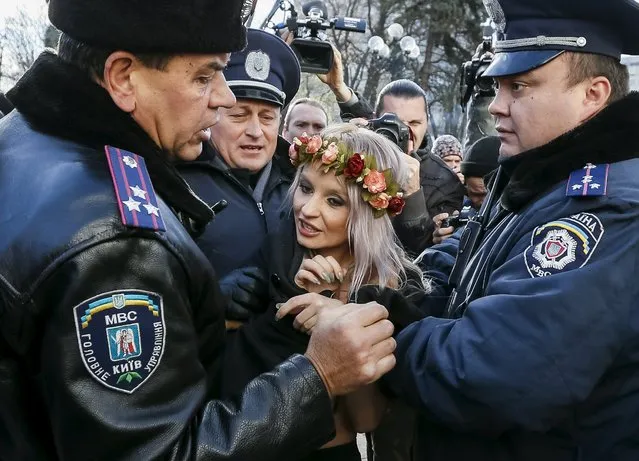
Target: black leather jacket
pixel 62 242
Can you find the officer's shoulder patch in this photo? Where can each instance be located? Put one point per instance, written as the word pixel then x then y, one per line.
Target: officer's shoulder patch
pixel 136 197
pixel 563 245
pixel 589 181
pixel 121 337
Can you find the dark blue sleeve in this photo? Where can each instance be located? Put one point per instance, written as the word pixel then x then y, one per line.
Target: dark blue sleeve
pixel 533 346
pixel 437 263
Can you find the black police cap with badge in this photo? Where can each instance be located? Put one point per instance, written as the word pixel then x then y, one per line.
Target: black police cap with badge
pixel 266 70
pixel 533 32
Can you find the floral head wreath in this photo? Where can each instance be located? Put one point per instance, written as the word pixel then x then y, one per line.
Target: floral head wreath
pixel 379 188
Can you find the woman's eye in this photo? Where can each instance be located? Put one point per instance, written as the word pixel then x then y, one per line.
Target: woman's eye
pixel 335 202
pixel 305 189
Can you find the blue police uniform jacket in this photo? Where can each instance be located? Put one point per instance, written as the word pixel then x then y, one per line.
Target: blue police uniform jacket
pixel 240 230
pixel 538 358
pixel 109 332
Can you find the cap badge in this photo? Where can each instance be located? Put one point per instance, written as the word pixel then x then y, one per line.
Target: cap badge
pixel 496 14
pixel 258 65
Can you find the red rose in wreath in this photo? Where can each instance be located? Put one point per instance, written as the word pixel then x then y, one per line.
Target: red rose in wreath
pixel 354 166
pixel 396 205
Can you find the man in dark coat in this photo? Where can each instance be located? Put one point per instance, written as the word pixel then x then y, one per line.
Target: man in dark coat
pixel 538 357
pixel 111 322
pixel 246 163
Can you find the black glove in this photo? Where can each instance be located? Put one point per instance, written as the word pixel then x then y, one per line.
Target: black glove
pixel 246 291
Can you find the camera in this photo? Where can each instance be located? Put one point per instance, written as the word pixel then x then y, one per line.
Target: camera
pixel 390 126
pixel 457 221
pixel 314 53
pixel 472 72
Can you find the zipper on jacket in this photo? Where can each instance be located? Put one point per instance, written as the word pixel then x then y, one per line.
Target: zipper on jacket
pixel 259 207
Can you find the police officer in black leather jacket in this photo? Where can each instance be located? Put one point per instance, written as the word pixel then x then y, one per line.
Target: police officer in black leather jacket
pixel 110 317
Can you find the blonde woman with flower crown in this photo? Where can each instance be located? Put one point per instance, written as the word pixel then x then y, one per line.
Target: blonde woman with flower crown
pixel 338 246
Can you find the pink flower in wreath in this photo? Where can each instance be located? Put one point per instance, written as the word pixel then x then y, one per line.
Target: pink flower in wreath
pixel 375 182
pixel 313 144
pixel 380 202
pixel 330 154
pixel 303 139
pixel 292 152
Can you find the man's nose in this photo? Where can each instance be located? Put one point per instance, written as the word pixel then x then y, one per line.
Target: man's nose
pixel 253 127
pixel 498 107
pixel 222 96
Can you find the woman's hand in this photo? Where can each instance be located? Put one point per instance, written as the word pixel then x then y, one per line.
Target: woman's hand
pixel 306 308
pixel 319 274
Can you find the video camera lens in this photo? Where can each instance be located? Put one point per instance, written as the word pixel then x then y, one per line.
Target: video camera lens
pixel 485 84
pixel 314 53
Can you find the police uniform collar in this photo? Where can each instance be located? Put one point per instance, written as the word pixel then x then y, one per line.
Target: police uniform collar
pixel 609 137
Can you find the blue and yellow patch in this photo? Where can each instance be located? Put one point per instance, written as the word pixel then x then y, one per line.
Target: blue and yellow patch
pixel 121 337
pixel 562 245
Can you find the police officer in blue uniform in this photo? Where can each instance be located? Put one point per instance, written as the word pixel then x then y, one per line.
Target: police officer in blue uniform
pixel 246 163
pixel 111 320
pixel 538 357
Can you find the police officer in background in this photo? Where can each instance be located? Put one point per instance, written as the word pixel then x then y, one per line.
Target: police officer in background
pixel 246 163
pixel 538 357
pixel 111 321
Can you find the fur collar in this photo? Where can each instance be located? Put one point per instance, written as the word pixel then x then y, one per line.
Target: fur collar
pixel 59 99
pixel 609 137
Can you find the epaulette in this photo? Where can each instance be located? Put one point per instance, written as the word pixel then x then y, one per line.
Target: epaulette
pixel 136 198
pixel 589 181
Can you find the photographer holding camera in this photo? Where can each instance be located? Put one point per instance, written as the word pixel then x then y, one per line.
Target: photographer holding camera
pixel 402 108
pixel 477 91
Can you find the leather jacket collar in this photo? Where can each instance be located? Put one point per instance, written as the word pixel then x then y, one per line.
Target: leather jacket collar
pixel 59 99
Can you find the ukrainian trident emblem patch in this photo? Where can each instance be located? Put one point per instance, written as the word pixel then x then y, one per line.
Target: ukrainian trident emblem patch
pixel 121 337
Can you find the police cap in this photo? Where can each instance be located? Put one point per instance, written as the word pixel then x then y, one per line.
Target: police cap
pixel 266 70
pixel 533 32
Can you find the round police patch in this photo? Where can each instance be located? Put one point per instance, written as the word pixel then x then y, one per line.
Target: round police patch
pixel 121 337
pixel 561 245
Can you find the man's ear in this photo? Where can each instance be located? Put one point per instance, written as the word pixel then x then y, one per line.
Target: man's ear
pixel 117 79
pixel 597 96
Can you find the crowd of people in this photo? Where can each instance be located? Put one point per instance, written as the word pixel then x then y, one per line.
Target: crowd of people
pixel 196 263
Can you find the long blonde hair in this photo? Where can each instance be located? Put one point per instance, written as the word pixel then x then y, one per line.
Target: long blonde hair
pixel 375 247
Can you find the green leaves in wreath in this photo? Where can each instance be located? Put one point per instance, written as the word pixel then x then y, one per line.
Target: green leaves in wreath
pixel 392 188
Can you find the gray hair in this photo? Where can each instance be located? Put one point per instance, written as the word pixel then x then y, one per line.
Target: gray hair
pixel 308 102
pixel 376 249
